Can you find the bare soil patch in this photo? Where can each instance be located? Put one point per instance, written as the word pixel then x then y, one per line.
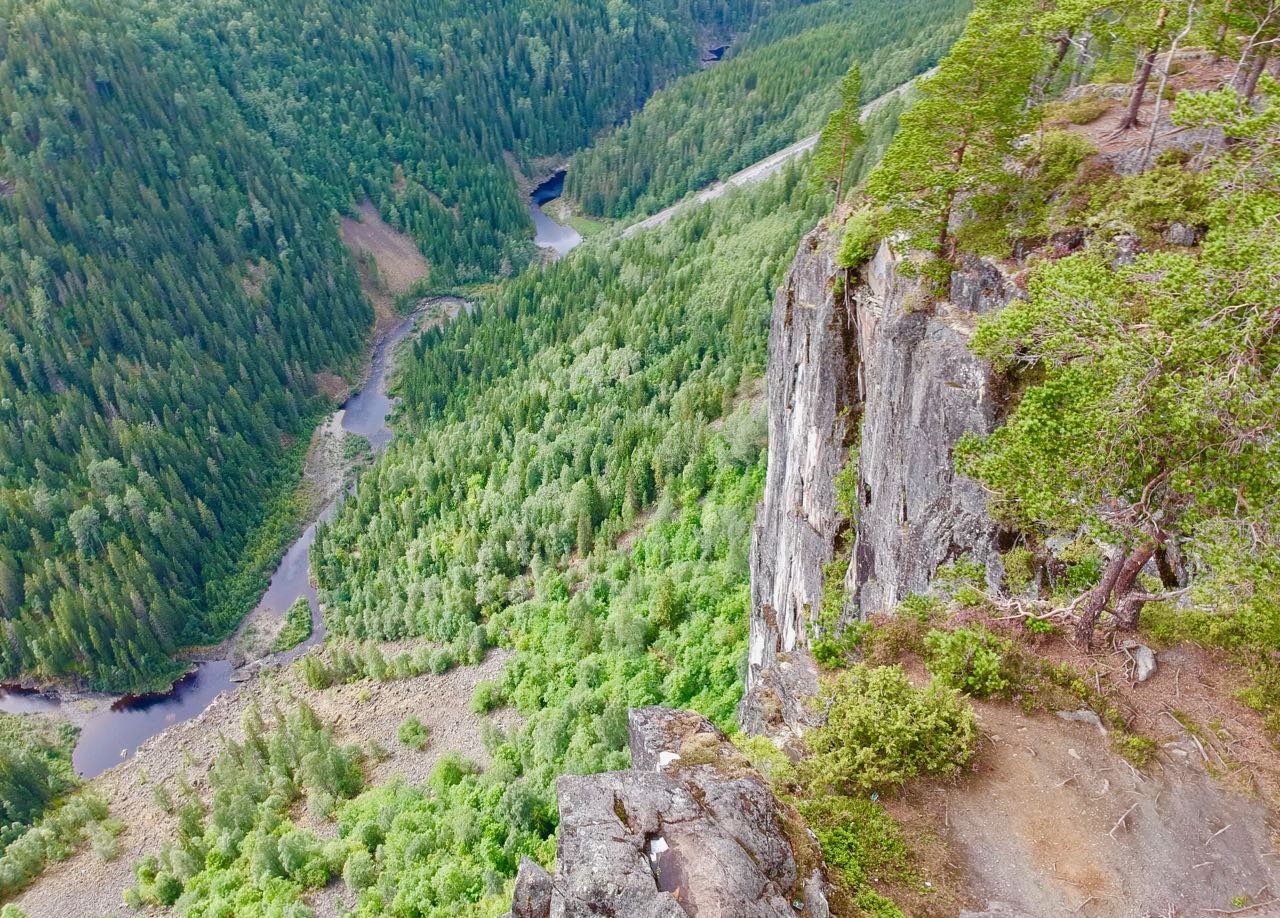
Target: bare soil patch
pixel 361 712
pixel 397 263
pixel 1053 822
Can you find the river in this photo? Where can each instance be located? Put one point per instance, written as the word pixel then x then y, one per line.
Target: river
pixel 549 234
pixel 118 727
pixel 115 727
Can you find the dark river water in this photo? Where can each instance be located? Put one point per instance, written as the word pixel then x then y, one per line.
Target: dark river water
pixel 115 733
pixel 550 234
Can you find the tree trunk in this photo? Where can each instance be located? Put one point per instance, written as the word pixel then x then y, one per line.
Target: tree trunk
pixel 1127 607
pixel 1082 59
pixel 1144 77
pixel 1258 65
pixel 1098 599
pixel 1063 43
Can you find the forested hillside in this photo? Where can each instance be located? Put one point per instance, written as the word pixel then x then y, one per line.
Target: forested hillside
pixel 414 103
pixel 169 292
pixel 172 281
pixel 607 396
pixel 774 88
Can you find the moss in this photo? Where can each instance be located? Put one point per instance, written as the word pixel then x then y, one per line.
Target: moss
pixel 1085 110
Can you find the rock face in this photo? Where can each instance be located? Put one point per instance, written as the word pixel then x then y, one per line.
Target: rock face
pixel 872 364
pixel 924 390
pixel 812 375
pixel 690 830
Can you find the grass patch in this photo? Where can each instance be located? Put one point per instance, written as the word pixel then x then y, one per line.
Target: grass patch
pixel 587 227
pixel 1085 110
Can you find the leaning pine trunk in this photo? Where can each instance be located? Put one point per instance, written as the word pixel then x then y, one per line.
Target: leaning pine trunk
pixel 1128 607
pixel 1258 65
pixel 1144 77
pixel 1098 598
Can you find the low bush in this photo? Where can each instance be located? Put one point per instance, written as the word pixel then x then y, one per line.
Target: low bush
pixel 881 731
pixel 414 733
pixel 970 659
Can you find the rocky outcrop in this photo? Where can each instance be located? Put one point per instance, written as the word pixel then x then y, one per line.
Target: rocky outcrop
pixel 690 830
pixel 812 374
pixel 868 361
pixel 924 390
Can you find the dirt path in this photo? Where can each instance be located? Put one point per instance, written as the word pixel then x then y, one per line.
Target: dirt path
pixel 757 172
pixel 1055 823
pixel 361 712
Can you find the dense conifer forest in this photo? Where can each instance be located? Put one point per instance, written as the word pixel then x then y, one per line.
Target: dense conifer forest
pixel 173 284
pixel 773 88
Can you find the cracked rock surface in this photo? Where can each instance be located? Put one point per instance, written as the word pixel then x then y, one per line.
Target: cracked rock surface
pixel 690 830
pixel 864 361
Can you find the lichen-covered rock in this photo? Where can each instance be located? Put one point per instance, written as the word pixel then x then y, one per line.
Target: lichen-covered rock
pixel 691 830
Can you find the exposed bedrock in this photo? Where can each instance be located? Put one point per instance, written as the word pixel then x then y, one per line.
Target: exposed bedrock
pixel 866 360
pixel 689 830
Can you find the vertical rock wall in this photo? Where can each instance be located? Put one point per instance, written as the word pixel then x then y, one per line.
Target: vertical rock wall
pixel 869 352
pixel 923 391
pixel 812 370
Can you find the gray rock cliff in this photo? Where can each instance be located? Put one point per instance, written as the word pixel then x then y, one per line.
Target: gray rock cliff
pixel 865 362
pixel 690 830
pixel 812 375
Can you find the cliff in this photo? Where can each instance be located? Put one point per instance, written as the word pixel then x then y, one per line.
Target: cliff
pixel 689 830
pixel 863 360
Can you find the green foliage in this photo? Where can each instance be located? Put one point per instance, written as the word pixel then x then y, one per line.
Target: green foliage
pixel 174 280
pixel 297 625
pixel 486 697
pixel 413 733
pixel 881 731
pixel 35 770
pixel 955 138
pixel 343 662
pixel 1019 569
pixel 862 234
pixel 841 136
pixel 241 854
pixel 969 659
pixel 859 842
pixel 777 84
pixel 1157 402
pixel 54 837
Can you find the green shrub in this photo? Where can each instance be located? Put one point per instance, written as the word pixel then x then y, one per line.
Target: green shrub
pixel 359 871
pixel 1019 569
pixel 862 234
pixel 413 733
pixel 881 731
pixel 969 659
pixel 487 697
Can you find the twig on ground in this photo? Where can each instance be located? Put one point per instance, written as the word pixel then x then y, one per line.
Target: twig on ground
pixel 1219 832
pixel 1123 817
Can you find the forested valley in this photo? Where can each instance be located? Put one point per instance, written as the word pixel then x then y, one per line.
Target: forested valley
pixel 773 88
pixel 174 287
pixel 1041 284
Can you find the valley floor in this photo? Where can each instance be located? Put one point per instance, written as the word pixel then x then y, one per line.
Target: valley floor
pixel 363 712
